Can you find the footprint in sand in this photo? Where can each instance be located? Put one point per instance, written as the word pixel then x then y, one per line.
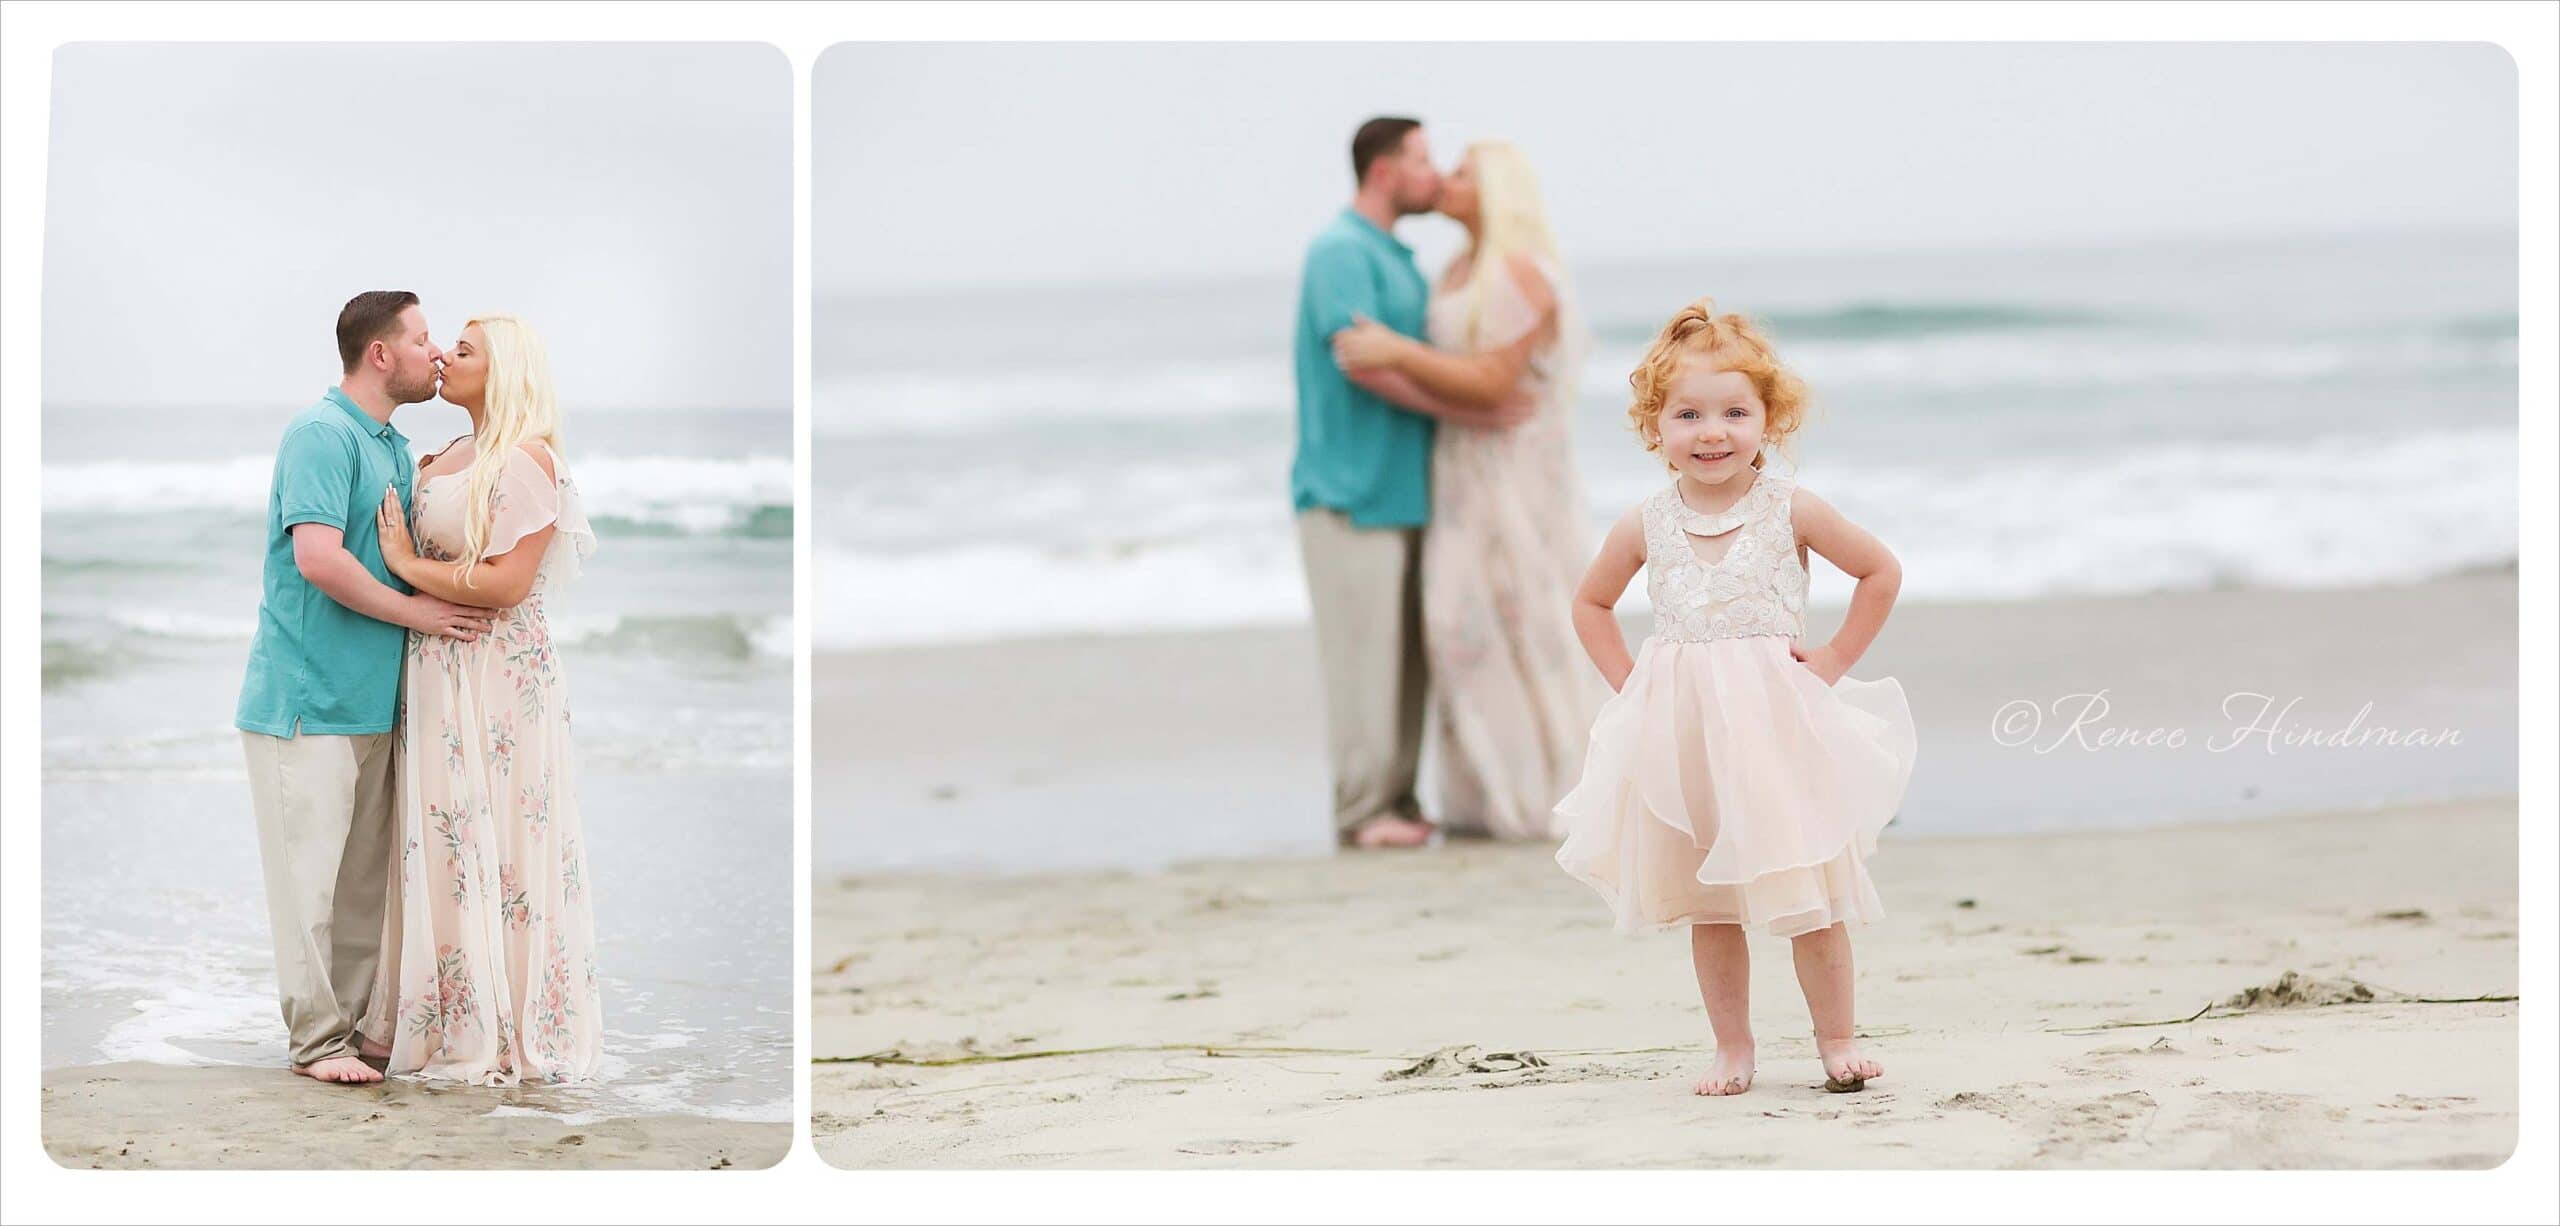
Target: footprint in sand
pixel 1223 1149
pixel 2157 1047
pixel 2067 1131
pixel 2412 1103
pixel 2082 1129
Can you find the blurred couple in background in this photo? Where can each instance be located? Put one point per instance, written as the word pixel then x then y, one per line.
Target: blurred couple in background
pixel 1440 516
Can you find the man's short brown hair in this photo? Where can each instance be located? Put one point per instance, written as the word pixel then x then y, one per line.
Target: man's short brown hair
pixel 368 317
pixel 1376 139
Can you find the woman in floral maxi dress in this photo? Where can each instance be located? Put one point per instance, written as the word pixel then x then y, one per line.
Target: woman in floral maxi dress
pixel 488 970
pixel 1512 693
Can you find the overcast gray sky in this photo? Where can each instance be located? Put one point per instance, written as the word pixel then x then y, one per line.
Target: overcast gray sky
pixel 209 207
pixel 986 164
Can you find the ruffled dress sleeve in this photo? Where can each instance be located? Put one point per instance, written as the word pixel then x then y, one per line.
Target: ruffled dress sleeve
pixel 527 500
pixel 1505 314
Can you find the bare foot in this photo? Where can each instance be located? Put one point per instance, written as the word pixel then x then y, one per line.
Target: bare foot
pixel 341 1070
pixel 1844 1068
pixel 1730 1074
pixel 371 1050
pixel 1391 832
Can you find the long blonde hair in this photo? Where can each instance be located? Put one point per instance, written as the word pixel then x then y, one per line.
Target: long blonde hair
pixel 516 407
pixel 1511 219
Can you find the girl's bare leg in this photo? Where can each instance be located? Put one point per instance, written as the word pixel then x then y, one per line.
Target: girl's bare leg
pixel 1823 969
pixel 1724 984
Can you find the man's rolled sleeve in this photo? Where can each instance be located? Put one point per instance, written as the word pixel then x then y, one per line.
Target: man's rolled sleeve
pixel 315 469
pixel 1339 285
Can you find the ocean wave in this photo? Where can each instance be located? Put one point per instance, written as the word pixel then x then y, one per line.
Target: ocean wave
pixel 67 662
pixel 1871 320
pixel 212 1003
pixel 725 636
pixel 2108 358
pixel 955 402
pixel 717 636
pixel 748 496
pixel 181 626
pixel 976 593
pixel 2126 520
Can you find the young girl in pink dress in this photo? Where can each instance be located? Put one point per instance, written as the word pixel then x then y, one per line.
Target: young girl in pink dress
pixel 1738 777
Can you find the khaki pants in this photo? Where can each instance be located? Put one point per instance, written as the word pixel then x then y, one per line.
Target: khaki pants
pixel 1366 588
pixel 324 843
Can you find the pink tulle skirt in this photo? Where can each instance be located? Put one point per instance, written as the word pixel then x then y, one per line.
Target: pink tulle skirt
pixel 1726 784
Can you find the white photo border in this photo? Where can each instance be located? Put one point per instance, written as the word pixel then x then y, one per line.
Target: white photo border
pixel 802 1188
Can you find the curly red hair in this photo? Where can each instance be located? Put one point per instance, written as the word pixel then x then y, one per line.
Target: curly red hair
pixel 1730 342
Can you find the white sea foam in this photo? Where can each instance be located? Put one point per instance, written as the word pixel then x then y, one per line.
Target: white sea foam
pixel 215 1006
pixel 177 624
pixel 684 494
pixel 718 634
pixel 989 592
pixel 2331 512
pixel 947 402
pixel 223 1001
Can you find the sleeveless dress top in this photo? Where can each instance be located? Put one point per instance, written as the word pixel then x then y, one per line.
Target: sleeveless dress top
pixel 1724 783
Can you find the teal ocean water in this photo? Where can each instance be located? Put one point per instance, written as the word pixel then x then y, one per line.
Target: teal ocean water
pixel 2016 423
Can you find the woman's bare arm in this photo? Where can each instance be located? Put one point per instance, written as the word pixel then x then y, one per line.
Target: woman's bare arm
pixel 320 553
pixel 1485 378
pixel 1397 388
pixel 501 581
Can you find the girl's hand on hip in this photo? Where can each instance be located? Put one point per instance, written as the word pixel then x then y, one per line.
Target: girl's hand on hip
pixel 1825 662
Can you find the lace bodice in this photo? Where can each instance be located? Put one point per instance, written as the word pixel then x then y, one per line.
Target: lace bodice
pixel 1756 587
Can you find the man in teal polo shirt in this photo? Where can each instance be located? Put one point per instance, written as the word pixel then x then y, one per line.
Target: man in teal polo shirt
pixel 320 703
pixel 1361 484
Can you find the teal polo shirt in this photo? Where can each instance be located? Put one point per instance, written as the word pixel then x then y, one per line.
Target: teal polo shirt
pixel 1357 453
pixel 316 665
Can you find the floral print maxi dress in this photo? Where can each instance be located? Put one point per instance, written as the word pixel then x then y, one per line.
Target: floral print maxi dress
pixel 1512 690
pixel 488 971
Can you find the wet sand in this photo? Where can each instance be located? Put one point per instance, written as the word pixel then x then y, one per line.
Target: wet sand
pixel 1136 750
pixel 168 1117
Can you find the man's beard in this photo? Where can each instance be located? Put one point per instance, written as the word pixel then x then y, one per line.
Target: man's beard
pixel 412 393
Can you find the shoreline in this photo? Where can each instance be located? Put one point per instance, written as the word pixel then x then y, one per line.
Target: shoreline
pixel 155 1013
pixel 118 1116
pixel 1895 835
pixel 1148 749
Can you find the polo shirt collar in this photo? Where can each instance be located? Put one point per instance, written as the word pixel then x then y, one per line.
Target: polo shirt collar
pixel 1371 227
pixel 364 421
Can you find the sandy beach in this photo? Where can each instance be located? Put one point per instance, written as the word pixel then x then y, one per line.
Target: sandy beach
pixel 1257 1014
pixel 165 1117
pixel 1250 1004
